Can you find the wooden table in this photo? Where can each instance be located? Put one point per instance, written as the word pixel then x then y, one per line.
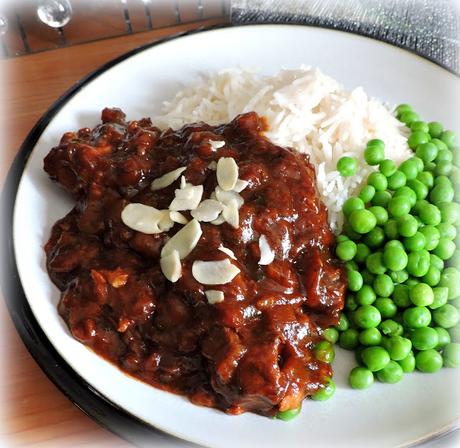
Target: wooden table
pixel 35 412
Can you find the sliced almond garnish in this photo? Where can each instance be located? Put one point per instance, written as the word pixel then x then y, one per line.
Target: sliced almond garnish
pixel 214 272
pixel 183 241
pixel 178 217
pixel 183 182
pixel 213 165
pixel 171 266
pixel 240 185
pixel 216 144
pixel 187 198
pixel 167 179
pixel 145 219
pixel 227 173
pixel 267 255
pixel 220 220
pixel 208 210
pixel 166 222
pixel 231 214
pixel 214 296
pixel 227 251
pixel 226 196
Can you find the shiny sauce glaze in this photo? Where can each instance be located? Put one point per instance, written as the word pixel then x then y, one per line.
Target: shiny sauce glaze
pixel 254 350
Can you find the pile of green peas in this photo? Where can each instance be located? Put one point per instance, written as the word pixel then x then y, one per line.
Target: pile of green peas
pixel 399 244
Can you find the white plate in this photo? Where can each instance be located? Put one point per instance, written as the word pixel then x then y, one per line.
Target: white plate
pixel 416 408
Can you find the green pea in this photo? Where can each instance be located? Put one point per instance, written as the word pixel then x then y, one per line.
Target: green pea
pixel 399 276
pixel 428 361
pixel 375 358
pixel 426 178
pixel 370 337
pixel 432 277
pixel 409 168
pixel 442 180
pixel 378 181
pixel 362 221
pixel 346 250
pixel 362 251
pixel 450 279
pixel 387 167
pixel 427 151
pixel 348 339
pixel 390 327
pixel 451 355
pixel 443 337
pixel 443 168
pixel 407 225
pixel 375 263
pixel 421 295
pixel 430 215
pixel 368 277
pixel 403 108
pixel 394 258
pixel 455 259
pixel 450 212
pixel 383 285
pixel 349 232
pixel 408 363
pixel 326 392
pixel 435 129
pixel 350 303
pixel 391 229
pixel 374 153
pixel 436 262
pixel 347 166
pixel 417 138
pixel 361 378
pixel 447 230
pixel 380 214
pixel 444 154
pixel 397 180
pixel 367 316
pixel 408 117
pixel 412 281
pixel 449 138
pixel 399 206
pixel 440 296
pixel 454 333
pixel 355 281
pixel 415 242
pixel 424 338
pixel 420 126
pixel 343 323
pixel 392 373
pixel 408 192
pixel 432 236
pixel 374 238
pixel 288 414
pixel 439 144
pixel 352 204
pixel 417 317
pixel 441 193
pixel 418 263
pixel 386 307
pixel 445 249
pixel 446 316
pixel 351 266
pixel 367 193
pixel 420 189
pixel 331 335
pixel 398 347
pixel 324 351
pixel 381 198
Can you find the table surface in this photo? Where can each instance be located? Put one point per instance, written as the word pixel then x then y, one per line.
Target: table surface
pixel 34 411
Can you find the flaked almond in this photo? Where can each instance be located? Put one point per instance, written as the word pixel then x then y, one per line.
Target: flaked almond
pixel 240 185
pixel 214 296
pixel 216 144
pixel 187 198
pixel 231 214
pixel 267 255
pixel 208 210
pixel 178 217
pixel 167 179
pixel 226 196
pixel 171 266
pixel 183 241
pixel 227 173
pixel 218 221
pixel 146 219
pixel 214 272
pixel 213 165
pixel 227 251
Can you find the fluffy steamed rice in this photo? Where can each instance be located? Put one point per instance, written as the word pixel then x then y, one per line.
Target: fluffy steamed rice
pixel 307 111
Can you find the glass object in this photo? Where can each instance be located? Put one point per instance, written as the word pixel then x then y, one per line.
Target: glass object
pixel 54 13
pixel 3 26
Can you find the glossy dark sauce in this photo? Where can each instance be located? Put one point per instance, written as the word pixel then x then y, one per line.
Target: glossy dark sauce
pixel 251 352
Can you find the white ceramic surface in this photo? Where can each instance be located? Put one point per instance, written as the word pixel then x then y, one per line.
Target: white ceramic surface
pixel 383 416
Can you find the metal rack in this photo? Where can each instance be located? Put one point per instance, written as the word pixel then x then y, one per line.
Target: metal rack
pixel 24 31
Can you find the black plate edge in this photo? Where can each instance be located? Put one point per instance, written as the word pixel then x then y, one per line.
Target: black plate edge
pixel 75 388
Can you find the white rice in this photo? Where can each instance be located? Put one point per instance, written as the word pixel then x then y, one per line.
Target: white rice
pixel 306 110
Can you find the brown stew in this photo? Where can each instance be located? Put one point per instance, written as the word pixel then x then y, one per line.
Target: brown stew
pixel 254 350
